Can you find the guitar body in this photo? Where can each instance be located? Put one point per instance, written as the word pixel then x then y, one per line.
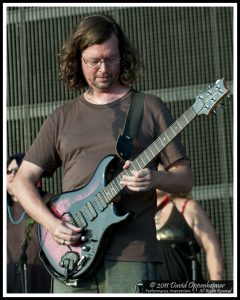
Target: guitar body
pixel 80 208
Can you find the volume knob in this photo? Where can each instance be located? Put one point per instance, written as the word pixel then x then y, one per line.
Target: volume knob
pixel 83 238
pixel 85 248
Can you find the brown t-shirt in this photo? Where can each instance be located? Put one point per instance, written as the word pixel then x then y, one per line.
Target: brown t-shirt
pixel 79 134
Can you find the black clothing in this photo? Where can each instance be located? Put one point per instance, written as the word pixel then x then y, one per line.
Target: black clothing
pixel 178 249
pixel 22 251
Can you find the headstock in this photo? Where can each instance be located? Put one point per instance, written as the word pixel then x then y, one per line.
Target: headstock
pixel 206 101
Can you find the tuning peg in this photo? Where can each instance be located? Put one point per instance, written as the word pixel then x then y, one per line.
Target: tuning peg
pixel 214 111
pixel 228 96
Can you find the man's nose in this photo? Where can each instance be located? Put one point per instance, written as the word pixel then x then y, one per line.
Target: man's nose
pixel 103 65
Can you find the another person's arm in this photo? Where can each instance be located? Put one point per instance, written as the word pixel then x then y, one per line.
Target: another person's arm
pixel 207 238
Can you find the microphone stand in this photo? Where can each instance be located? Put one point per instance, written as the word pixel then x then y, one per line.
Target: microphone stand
pixel 194 261
pixel 22 263
pixel 193 258
pixel 23 266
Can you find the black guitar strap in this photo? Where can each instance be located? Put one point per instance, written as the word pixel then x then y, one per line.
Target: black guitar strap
pixel 124 143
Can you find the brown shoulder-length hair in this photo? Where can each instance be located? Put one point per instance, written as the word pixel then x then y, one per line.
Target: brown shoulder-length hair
pixel 92 30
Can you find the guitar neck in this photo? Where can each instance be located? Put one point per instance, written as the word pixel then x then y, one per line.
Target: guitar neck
pixel 114 187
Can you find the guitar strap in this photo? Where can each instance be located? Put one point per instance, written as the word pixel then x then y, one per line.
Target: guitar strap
pixel 124 143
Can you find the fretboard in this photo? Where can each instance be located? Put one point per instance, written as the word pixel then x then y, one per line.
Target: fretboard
pixel 114 187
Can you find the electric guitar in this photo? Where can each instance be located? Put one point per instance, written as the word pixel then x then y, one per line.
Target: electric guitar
pixel 92 207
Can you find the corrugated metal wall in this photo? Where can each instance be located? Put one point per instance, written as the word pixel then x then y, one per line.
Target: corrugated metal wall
pixel 184 49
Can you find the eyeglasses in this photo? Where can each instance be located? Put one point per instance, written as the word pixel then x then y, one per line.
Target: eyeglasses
pixel 96 63
pixel 11 170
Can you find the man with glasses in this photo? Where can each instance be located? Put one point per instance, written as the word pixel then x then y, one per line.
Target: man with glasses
pixel 99 60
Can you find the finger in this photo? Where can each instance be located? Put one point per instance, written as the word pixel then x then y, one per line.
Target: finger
pixel 66 229
pixel 133 183
pixel 65 239
pixel 61 241
pixel 138 174
pixel 65 242
pixel 131 180
pixel 136 189
pixel 126 179
pixel 139 186
pixel 67 232
pixel 127 164
pixel 74 228
pixel 70 240
pixel 141 174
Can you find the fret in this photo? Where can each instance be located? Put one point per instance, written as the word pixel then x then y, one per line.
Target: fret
pixel 177 128
pixel 101 200
pixel 160 140
pixel 168 136
pixel 174 133
pixel 163 139
pixel 119 178
pixel 156 147
pixel 117 186
pixel 139 167
pixel 113 191
pixel 142 157
pixel 109 191
pixel 105 199
pixel 106 195
pixel 141 162
pixel 151 151
pixel 147 155
pixel 99 204
pixel 128 171
pixel 179 125
pixel 186 118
